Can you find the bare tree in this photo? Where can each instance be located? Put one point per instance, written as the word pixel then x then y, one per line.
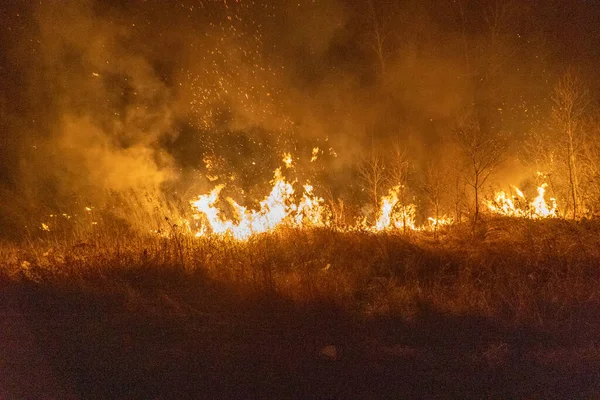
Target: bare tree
pixel 443 182
pixel 570 102
pixel 373 175
pixel 482 152
pixel 381 31
pixel 459 197
pixel 590 178
pixel 460 7
pixel 565 148
pixel 399 176
pixel 400 165
pixel 435 188
pixel 499 17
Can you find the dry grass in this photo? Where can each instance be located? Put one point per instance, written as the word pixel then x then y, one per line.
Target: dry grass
pixel 517 271
pixel 492 295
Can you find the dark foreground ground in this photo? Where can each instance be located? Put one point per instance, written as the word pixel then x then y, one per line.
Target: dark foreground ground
pixel 513 314
pixel 73 346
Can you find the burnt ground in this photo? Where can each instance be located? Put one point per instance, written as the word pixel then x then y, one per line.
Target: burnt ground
pixel 62 343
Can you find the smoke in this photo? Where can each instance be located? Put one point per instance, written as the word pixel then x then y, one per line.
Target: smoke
pixel 134 95
pixel 107 109
pixel 93 158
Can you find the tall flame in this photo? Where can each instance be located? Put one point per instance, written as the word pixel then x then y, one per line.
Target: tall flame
pixel 517 206
pixel 277 209
pixel 540 207
pixel 280 208
pixel 283 207
pixel 393 214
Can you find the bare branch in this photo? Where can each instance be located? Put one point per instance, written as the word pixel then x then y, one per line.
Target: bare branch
pixel 373 175
pixel 482 151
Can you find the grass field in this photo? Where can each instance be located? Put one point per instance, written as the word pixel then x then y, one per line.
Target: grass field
pixel 511 310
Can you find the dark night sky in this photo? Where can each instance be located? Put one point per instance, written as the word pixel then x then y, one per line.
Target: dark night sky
pixel 125 94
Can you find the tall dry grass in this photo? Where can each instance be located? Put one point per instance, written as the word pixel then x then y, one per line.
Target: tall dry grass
pixel 544 273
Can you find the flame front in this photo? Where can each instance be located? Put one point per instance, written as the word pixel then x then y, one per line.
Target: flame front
pixel 280 208
pixel 517 206
pixel 277 209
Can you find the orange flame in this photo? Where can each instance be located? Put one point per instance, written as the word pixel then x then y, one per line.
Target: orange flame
pixel 280 208
pixel 517 206
pixel 435 223
pixel 393 214
pixel 277 209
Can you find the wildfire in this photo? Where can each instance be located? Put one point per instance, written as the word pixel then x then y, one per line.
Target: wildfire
pixel 393 214
pixel 282 207
pixel 517 205
pixel 277 209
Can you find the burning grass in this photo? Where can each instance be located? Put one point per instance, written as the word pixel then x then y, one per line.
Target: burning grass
pixel 513 288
